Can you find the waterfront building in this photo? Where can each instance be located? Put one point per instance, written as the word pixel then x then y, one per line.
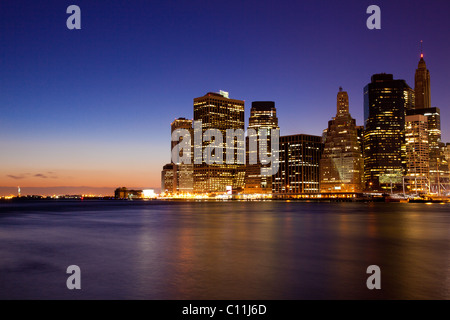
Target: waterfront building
pixel 385 103
pixel 184 172
pixel 218 111
pixel 263 116
pixel 417 153
pixel 124 193
pixel 169 178
pixel 341 164
pixel 439 174
pixel 299 160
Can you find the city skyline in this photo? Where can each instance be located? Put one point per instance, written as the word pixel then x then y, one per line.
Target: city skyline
pixel 56 134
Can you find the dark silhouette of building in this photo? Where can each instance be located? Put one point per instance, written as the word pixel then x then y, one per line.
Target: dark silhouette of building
pixel 124 193
pixel 422 85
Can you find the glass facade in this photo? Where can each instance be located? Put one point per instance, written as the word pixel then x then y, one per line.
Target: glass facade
pixel 299 161
pixel 217 111
pixel 263 116
pixel 386 102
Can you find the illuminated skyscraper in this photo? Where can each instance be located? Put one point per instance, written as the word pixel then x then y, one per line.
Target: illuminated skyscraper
pixel 263 116
pixel 218 111
pixel 439 168
pixel 385 103
pixel 417 153
pixel 183 172
pixel 299 160
pixel 341 165
pixel 180 123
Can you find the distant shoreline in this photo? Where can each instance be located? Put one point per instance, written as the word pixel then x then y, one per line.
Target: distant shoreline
pixel 316 200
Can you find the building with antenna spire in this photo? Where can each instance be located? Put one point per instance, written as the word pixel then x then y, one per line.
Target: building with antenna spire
pixel 422 84
pixel 438 166
pixel 341 164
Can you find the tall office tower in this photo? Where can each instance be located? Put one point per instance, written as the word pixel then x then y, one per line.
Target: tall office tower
pixel 422 85
pixel 417 153
pixel 184 172
pixel 385 103
pixel 181 123
pixel 218 111
pixel 299 160
pixel 341 165
pixel 263 116
pixel 439 168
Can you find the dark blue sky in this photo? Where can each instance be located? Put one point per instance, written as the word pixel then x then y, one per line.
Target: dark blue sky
pixel 94 106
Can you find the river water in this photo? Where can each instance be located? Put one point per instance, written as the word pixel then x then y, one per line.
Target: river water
pixel 224 250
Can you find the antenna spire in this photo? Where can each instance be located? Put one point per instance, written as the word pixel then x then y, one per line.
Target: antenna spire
pixel 421 48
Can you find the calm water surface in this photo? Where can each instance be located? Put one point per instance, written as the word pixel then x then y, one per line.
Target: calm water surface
pixel 224 250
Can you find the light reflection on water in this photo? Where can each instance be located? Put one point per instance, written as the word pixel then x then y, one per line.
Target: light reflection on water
pixel 224 250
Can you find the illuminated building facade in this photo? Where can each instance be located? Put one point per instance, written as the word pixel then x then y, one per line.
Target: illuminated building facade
pixel 263 116
pixel 180 123
pixel 184 173
pixel 438 165
pixel 446 151
pixel 417 153
pixel 218 111
pixel 439 169
pixel 385 103
pixel 341 165
pixel 299 161
pixel 168 178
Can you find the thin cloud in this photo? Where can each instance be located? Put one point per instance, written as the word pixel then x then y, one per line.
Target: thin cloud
pixel 50 175
pixel 16 177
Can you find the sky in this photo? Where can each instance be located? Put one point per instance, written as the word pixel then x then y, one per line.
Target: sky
pixel 92 108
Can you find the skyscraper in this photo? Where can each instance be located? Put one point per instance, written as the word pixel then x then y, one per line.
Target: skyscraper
pixel 438 166
pixel 218 111
pixel 385 103
pixel 299 160
pixel 180 123
pixel 341 165
pixel 417 153
pixel 422 85
pixel 183 172
pixel 263 116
